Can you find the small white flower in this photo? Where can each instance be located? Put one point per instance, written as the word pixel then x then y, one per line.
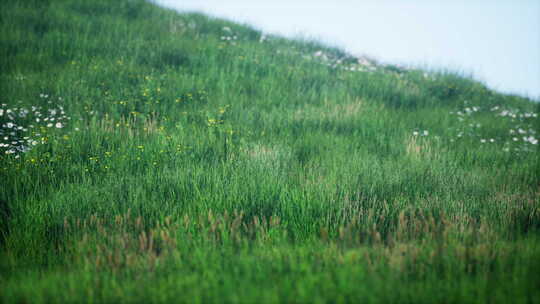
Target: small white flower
pixel 59 125
pixel 491 140
pixel 76 129
pixel 426 133
pixel 9 125
pixel 482 140
pixel 1 112
pixel 49 125
pixel 531 139
pixel 415 133
pixel 514 138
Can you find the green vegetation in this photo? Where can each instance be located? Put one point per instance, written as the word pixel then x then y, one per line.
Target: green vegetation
pixel 151 156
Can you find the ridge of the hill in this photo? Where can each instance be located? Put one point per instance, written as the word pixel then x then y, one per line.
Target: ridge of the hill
pixel 151 156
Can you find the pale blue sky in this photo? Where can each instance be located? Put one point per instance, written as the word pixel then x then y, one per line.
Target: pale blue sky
pixel 496 41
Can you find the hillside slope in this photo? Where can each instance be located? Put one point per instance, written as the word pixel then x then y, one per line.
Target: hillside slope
pixel 152 156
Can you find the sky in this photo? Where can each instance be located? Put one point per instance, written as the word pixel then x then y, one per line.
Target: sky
pixel 495 41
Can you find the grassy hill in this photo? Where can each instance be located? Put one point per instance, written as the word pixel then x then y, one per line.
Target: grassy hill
pixel 151 156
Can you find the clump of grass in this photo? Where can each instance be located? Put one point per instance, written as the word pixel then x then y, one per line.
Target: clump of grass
pixel 191 159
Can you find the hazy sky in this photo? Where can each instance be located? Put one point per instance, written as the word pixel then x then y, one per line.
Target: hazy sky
pixel 497 41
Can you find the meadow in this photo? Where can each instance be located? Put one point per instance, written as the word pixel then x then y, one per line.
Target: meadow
pixel 148 156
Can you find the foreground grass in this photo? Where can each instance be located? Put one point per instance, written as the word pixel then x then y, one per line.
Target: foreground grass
pixel 153 156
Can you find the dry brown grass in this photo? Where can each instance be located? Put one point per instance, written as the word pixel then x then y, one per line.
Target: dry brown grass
pixel 420 148
pixel 122 242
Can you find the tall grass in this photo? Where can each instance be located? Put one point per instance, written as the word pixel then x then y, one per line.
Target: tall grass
pixel 175 157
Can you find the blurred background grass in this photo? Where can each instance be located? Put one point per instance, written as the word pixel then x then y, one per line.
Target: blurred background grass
pixel 199 160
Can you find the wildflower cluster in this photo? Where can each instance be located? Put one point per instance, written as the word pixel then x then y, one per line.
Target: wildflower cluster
pixel 22 127
pixel 421 133
pixel 515 131
pixel 347 63
pixel 219 120
pixel 228 35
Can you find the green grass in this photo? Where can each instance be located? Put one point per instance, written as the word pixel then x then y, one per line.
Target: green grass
pixel 190 167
